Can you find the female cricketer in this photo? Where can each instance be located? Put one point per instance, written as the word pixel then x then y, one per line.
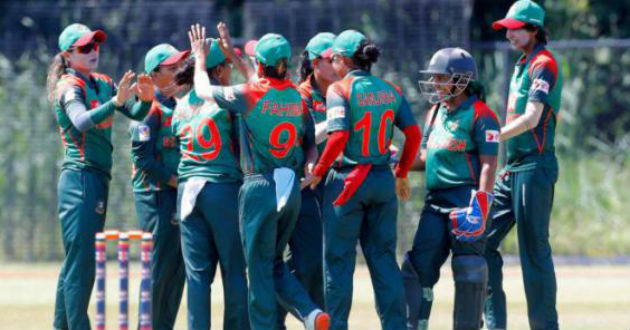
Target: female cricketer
pixel 84 103
pixel 361 111
pixel 525 187
pixel 209 181
pixel 276 140
pixel 459 149
pixel 306 243
pixel 155 157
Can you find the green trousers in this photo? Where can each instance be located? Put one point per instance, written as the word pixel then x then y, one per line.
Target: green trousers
pixel 523 198
pixel 434 242
pixel 306 248
pixel 369 217
pixel 265 233
pixel 82 204
pixel 156 214
pixel 210 237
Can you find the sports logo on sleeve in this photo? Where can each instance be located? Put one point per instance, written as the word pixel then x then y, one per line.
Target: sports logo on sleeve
pixel 492 136
pixel 144 133
pixel 335 112
pixel 540 85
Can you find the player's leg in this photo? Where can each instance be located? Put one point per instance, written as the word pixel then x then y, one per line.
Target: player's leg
pixel 200 259
pixel 429 251
pixel 258 226
pixel 533 200
pixel 306 252
pixel 220 206
pixel 169 271
pixel 470 274
pixel 502 222
pixel 83 205
pixel 342 226
pixel 378 242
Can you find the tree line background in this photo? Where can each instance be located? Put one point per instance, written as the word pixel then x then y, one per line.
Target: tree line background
pixel 593 133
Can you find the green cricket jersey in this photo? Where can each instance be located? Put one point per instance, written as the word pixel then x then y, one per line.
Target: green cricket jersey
pixel 455 139
pixel 276 127
pixel 537 77
pixel 91 148
pixel 154 151
pixel 315 102
pixel 369 108
pixel 206 135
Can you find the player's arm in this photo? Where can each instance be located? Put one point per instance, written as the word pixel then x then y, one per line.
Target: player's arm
pixel 73 100
pixel 486 136
pixel 309 144
pixel 543 74
pixel 419 164
pixel 226 44
pixel 144 136
pixel 405 122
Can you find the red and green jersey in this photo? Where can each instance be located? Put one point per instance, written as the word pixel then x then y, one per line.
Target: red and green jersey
pixel 275 124
pixel 315 102
pixel 455 139
pixel 93 147
pixel 368 107
pixel 206 135
pixel 154 150
pixel 536 77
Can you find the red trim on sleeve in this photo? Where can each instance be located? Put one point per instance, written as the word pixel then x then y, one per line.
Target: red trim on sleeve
pixel 336 144
pixel 544 59
pixel 413 138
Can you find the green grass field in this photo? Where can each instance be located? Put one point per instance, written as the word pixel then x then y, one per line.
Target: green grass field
pixel 595 297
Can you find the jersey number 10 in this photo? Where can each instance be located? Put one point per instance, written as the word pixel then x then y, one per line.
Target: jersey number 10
pixel 365 125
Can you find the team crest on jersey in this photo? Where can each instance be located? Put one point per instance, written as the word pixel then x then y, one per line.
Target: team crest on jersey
pixel 453 125
pixel 336 112
pixel 319 106
pixel 540 85
pixel 492 136
pixel 144 133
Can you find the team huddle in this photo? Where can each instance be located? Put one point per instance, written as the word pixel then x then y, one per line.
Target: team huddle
pixel 275 182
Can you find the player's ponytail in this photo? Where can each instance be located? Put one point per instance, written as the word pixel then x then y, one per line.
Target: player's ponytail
pixel 56 69
pixel 306 67
pixel 366 55
pixel 279 71
pixel 542 34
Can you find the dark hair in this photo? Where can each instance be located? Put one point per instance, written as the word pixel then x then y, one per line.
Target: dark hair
pixel 275 72
pixel 366 55
pixel 56 69
pixel 542 35
pixel 476 88
pixel 186 74
pixel 306 67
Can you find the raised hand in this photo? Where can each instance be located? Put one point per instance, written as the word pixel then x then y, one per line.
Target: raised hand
pixel 143 88
pixel 198 43
pixel 125 90
pixel 225 39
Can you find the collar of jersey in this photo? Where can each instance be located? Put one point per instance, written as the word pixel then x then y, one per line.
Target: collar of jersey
pixel 467 103
pixel 163 99
pixel 277 83
pixel 79 75
pixel 357 73
pixel 538 48
pixel 313 83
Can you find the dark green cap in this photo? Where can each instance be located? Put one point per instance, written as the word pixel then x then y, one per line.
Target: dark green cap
pixel 520 13
pixel 319 45
pixel 77 35
pixel 216 55
pixel 347 42
pixel 162 54
pixel 271 48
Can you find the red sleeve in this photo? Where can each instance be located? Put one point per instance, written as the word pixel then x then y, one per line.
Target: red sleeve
pixel 336 143
pixel 413 137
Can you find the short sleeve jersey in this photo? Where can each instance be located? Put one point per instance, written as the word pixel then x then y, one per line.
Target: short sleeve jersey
pixel 275 124
pixel 206 135
pixel 537 77
pixel 91 148
pixel 153 138
pixel 455 139
pixel 315 102
pixel 368 107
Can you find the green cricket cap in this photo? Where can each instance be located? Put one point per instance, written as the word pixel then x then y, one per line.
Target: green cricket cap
pixel 320 45
pixel 520 13
pixel 162 54
pixel 272 48
pixel 77 35
pixel 347 42
pixel 216 55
